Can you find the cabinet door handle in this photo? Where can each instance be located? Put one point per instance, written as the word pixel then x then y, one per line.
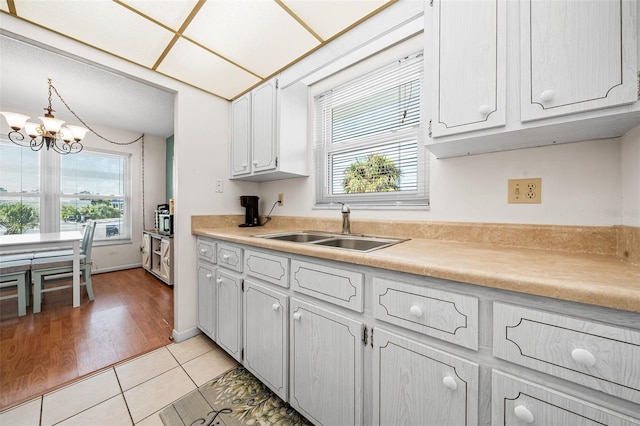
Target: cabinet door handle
pixel 225 256
pixel 209 276
pixel 547 95
pixel 244 165
pixel 450 383
pixel 275 307
pixel 523 414
pixel 255 163
pixel 583 357
pixel 203 251
pixel 484 109
pixel 297 316
pixel 219 280
pixel 415 311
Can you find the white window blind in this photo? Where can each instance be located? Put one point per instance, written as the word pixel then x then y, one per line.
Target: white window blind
pixel 368 137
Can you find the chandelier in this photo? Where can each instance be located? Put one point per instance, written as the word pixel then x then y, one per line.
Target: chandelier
pixel 51 133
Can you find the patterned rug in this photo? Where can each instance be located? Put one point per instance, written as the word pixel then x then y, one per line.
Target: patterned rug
pixel 235 398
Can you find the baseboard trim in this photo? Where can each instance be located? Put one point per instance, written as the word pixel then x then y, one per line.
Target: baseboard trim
pixel 179 336
pixel 116 268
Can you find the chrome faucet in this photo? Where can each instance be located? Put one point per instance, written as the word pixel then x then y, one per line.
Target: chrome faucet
pixel 346 223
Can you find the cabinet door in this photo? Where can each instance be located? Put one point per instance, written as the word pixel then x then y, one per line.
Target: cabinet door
pixel 229 313
pixel 518 402
pixel 470 61
pixel 577 56
pixel 165 260
pixel 241 136
pixel 326 365
pixel 414 384
pixel 264 136
pixel 206 299
pixel 146 251
pixel 265 336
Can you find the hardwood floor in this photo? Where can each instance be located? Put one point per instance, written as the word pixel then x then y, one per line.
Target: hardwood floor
pixel 132 314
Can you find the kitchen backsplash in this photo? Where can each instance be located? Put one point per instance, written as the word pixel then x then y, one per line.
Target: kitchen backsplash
pixel 621 241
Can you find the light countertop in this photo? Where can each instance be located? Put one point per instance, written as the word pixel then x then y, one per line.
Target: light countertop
pixel 596 279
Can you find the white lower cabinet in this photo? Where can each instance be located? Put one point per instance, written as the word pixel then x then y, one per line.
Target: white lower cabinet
pixel 326 365
pixel 354 345
pixel 417 385
pixel 206 299
pixel 229 313
pixel 266 340
pixel 519 402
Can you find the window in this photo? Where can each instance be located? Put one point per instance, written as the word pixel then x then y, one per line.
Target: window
pixel 368 135
pixel 74 189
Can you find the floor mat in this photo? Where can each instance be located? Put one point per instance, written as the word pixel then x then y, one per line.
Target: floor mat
pixel 235 398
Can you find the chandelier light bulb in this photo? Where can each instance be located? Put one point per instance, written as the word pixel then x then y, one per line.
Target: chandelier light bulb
pixel 65 134
pixel 14 120
pixel 32 129
pixel 78 132
pixel 51 124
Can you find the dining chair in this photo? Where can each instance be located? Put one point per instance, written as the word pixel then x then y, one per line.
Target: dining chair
pixel 15 273
pixel 51 269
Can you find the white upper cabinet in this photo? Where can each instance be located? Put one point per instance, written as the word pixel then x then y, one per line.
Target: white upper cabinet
pixel 576 56
pixel 269 133
pixel 264 136
pixel 471 36
pixel 241 136
pixel 506 75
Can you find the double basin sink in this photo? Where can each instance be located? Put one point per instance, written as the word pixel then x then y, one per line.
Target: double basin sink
pixel 356 242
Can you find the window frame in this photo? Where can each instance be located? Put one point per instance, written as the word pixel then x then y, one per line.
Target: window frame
pixel 325 150
pixel 50 192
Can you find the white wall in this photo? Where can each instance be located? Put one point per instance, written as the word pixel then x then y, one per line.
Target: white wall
pixel 629 212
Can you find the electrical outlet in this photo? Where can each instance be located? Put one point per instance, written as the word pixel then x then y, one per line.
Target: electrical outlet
pixel 219 186
pixel 525 191
pixel 281 199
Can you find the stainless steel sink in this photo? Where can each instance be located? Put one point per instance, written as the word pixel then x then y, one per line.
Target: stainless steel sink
pixel 361 243
pixel 296 237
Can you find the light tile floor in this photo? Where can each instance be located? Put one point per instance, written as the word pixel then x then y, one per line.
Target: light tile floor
pixel 129 393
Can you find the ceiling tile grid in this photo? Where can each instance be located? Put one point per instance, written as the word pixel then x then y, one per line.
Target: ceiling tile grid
pixel 224 47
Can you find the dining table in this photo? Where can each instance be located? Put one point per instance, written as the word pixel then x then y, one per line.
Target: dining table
pixel 25 243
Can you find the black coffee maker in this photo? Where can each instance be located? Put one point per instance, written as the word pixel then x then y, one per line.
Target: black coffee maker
pixel 251 217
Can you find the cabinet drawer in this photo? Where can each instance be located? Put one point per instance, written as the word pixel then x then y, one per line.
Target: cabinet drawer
pixel 516 402
pixel 267 267
pixel 599 356
pixel 338 286
pixel 230 257
pixel 447 316
pixel 206 250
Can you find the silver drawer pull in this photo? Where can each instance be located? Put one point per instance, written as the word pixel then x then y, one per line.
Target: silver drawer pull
pixel 523 414
pixel 415 311
pixel 203 251
pixel 225 256
pixel 450 383
pixel 209 276
pixel 219 280
pixel 275 307
pixel 583 357
pixel 297 316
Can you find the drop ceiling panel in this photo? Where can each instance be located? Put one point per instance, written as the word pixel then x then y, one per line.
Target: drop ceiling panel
pixel 328 18
pixel 258 35
pixel 196 66
pixel 102 24
pixel 169 13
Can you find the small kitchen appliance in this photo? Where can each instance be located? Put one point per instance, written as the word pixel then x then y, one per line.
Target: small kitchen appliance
pixel 165 225
pixel 251 217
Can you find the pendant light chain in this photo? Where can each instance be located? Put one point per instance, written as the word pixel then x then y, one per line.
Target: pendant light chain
pixel 51 86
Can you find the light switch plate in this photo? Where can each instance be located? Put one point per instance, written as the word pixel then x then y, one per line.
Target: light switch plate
pixel 525 191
